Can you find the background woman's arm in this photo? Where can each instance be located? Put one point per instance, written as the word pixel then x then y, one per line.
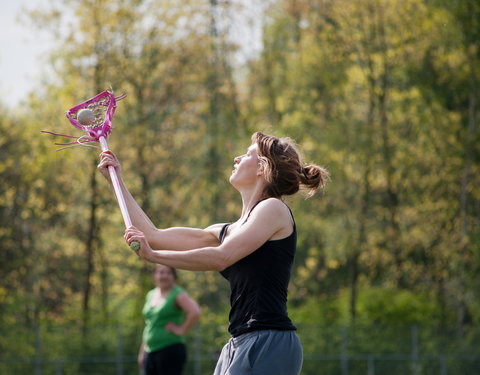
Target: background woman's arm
pixel 141 356
pixel 192 313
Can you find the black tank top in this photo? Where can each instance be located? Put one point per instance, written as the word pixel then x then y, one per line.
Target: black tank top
pixel 259 284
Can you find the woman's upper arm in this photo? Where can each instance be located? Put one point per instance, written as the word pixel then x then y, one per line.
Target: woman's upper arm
pixel 187 304
pixel 183 238
pixel 267 219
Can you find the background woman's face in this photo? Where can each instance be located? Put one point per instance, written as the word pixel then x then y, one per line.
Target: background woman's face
pixel 163 276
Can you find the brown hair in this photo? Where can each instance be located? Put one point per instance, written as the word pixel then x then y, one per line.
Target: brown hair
pixel 284 169
pixel 173 270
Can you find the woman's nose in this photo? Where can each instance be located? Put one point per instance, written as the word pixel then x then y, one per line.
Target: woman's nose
pixel 237 159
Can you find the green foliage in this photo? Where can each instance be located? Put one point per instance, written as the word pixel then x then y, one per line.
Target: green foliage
pixel 380 305
pixel 383 93
pixel 396 306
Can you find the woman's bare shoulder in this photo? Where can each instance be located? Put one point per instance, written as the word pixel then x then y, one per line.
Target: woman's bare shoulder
pixel 274 205
pixel 278 215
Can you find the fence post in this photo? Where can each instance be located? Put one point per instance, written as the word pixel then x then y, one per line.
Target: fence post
pixel 371 365
pixel 58 367
pixel 197 366
pixel 344 349
pixel 119 359
pixel 38 350
pixel 415 349
pixel 443 367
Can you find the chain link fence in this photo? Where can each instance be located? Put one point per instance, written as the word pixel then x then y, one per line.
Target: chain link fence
pixel 360 349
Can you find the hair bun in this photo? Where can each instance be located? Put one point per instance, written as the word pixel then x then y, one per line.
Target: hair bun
pixel 283 167
pixel 314 177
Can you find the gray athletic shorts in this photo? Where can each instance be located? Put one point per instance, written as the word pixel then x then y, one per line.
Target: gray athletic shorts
pixel 261 353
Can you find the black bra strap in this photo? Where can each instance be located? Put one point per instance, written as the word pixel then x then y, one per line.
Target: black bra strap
pixel 293 219
pixel 255 205
pixel 251 209
pixel 223 232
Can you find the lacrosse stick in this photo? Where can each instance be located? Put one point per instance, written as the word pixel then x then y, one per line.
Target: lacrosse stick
pixel 94 117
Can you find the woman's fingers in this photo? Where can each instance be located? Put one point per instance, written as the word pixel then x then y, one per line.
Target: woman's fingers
pixel 106 158
pixel 131 235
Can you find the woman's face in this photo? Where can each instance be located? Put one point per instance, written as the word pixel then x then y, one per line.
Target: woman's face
pixel 246 168
pixel 163 276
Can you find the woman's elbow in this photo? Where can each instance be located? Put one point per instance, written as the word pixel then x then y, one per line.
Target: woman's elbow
pixel 221 264
pixel 194 313
pixel 218 260
pixel 197 312
pixel 152 234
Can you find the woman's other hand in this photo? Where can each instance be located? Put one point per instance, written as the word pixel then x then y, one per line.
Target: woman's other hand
pixel 108 158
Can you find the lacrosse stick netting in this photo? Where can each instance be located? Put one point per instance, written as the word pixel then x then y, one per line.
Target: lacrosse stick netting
pixel 103 107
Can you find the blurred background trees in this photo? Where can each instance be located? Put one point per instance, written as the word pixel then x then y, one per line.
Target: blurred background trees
pixel 384 93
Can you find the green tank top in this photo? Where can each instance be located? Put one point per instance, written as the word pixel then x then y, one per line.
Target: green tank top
pixel 155 336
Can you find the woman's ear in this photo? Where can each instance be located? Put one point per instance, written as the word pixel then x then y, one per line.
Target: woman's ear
pixel 261 167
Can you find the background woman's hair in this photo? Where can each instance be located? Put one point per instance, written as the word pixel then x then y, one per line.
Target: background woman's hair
pixel 284 169
pixel 173 270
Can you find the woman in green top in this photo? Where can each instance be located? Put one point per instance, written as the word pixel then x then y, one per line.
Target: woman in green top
pixel 169 314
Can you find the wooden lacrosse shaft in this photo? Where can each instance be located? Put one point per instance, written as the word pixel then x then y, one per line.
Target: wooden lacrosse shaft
pixel 135 245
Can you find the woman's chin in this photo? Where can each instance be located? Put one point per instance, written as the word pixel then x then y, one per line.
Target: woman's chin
pixel 233 181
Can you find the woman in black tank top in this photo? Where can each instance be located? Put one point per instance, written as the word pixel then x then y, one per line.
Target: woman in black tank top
pixel 255 253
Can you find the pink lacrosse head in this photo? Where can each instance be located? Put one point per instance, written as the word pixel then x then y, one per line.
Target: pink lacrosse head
pixel 103 107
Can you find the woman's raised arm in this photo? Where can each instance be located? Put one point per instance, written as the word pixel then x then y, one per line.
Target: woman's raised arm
pixel 270 218
pixel 177 238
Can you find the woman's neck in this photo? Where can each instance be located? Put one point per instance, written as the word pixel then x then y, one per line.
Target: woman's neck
pixel 248 203
pixel 250 196
pixel 164 291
